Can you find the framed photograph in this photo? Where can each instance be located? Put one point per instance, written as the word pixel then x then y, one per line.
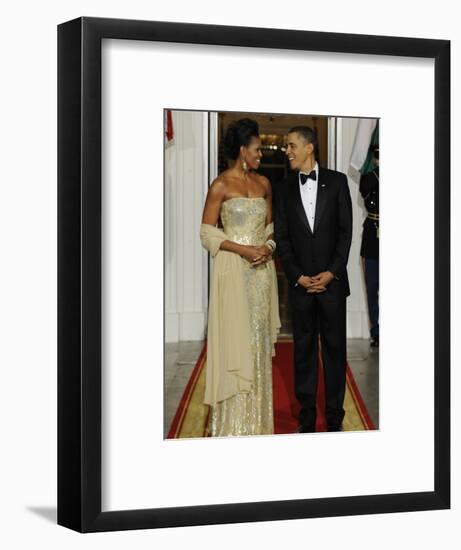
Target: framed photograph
pixel 254 274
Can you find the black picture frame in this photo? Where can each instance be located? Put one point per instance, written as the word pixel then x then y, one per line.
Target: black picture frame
pixel 79 274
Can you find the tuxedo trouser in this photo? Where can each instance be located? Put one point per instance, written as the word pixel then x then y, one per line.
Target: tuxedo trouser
pixel 314 315
pixel 372 282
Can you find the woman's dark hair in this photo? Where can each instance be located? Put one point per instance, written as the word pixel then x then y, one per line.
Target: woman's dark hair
pixel 239 133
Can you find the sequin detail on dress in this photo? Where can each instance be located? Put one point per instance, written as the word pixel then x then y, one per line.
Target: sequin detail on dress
pixel 244 221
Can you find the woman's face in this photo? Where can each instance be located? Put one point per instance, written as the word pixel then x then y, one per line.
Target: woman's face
pixel 252 153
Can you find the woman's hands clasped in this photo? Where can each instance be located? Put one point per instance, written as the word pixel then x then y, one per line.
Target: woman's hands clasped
pixel 257 255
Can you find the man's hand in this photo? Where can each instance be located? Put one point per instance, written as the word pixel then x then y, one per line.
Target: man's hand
pixel 305 281
pixel 308 283
pixel 321 281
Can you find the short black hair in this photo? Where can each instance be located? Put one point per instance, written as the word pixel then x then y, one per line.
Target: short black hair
pixel 239 133
pixel 309 135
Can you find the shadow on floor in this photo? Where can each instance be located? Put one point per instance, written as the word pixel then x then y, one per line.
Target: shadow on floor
pixel 49 513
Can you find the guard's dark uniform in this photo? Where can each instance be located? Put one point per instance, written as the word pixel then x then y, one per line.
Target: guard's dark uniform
pixel 369 250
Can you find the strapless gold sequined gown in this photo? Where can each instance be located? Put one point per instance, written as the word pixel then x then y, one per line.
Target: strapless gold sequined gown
pixel 244 221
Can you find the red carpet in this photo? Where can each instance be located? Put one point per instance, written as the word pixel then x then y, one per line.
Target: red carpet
pixel 191 417
pixel 286 407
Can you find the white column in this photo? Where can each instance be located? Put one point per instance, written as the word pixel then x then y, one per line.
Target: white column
pixel 186 265
pixel 357 310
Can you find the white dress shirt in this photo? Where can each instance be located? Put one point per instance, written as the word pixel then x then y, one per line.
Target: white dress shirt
pixel 309 196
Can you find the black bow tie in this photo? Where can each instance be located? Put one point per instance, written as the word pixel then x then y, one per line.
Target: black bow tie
pixel 305 177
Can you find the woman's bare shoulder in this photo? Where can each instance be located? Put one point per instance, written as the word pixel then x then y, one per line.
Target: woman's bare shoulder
pixel 218 186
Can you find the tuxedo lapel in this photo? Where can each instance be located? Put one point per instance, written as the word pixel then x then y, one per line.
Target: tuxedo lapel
pixel 322 190
pixel 297 201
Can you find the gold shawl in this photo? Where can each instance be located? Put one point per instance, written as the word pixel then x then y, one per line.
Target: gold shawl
pixel 229 366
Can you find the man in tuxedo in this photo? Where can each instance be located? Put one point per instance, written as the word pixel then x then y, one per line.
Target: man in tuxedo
pixel 313 232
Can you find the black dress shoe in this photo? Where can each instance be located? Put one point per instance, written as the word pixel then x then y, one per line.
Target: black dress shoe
pixel 304 430
pixel 374 342
pixel 335 429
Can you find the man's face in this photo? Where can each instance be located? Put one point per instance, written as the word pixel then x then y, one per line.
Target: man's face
pixel 298 150
pixel 376 157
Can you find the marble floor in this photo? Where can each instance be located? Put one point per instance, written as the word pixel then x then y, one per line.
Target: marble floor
pixel 180 359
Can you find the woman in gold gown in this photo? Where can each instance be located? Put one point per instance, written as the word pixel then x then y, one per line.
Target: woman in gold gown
pixel 243 317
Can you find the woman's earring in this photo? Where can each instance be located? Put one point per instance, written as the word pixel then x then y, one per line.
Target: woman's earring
pixel 245 166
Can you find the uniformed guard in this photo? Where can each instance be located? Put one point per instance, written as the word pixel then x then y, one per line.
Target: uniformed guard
pixel 369 251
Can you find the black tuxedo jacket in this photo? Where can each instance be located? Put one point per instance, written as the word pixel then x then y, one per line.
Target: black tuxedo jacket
pixel 326 248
